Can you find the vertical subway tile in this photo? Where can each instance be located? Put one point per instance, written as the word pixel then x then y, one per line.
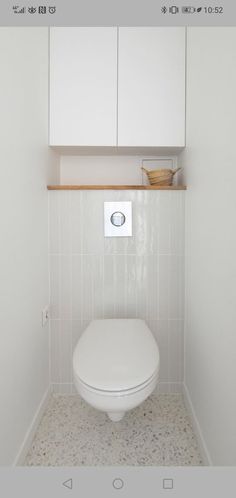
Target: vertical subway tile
pixel 115 245
pixel 65 280
pixel 63 388
pixel 176 271
pixel 131 300
pixel 177 222
pixel 110 246
pixel 176 387
pixel 92 222
pixel 87 285
pixel 55 286
pixel 61 351
pixel 108 289
pixel 92 287
pixel 139 228
pixel 165 222
pixel 141 287
pixel 77 328
pixel 162 339
pixel 60 286
pixel 152 265
pixel 65 222
pixel 76 287
pixel 163 388
pixel 132 243
pixel 120 286
pixel 54 228
pixel 76 221
pixel 124 286
pixel 163 296
pixel 97 287
pixel 175 350
pixel 151 211
pixel 145 224
pixel 66 343
pixel 159 329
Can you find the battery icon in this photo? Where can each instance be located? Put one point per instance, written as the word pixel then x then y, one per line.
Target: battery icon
pixel 188 10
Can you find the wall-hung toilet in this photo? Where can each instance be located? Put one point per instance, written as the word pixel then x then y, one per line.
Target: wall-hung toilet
pixel 116 365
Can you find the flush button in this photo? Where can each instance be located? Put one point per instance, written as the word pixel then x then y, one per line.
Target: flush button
pixel 118 219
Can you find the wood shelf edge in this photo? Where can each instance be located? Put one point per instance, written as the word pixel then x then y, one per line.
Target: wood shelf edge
pixel 115 187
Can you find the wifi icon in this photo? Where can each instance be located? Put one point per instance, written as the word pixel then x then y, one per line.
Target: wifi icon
pixel 199 9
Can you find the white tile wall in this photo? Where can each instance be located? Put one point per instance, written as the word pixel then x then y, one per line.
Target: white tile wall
pixel 96 277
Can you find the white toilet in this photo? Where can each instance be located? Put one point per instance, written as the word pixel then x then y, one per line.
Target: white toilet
pixel 116 365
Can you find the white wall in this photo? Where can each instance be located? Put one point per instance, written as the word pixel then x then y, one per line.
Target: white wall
pixel 210 164
pixel 113 170
pixel 96 277
pixel 24 172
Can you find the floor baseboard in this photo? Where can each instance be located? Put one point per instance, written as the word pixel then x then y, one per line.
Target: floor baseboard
pixel 196 426
pixel 169 388
pixel 20 458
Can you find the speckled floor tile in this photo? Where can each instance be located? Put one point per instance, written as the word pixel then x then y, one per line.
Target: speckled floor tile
pixel 72 433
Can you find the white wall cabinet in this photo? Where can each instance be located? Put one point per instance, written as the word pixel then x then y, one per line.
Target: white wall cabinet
pixel 151 87
pixel 83 86
pixel 117 87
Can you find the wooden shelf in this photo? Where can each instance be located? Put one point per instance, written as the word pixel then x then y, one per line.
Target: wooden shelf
pixel 115 187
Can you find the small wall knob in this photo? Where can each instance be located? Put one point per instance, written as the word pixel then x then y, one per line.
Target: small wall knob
pixel 117 219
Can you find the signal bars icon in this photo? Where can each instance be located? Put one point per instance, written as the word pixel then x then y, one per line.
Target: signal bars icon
pixel 18 10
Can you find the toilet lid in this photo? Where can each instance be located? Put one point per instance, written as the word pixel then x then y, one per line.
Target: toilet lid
pixel 116 354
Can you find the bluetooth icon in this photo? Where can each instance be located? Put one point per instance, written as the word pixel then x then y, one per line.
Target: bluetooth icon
pixel 164 10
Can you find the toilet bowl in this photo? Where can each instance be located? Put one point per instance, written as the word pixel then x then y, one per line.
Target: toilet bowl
pixel 116 365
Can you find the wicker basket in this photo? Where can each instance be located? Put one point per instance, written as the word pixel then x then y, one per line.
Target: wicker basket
pixel 160 176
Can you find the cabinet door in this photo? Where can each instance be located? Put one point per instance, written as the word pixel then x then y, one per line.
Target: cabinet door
pixel 83 86
pixel 151 87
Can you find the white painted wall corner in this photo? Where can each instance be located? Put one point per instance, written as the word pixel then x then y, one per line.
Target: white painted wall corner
pixel 21 455
pixel 196 427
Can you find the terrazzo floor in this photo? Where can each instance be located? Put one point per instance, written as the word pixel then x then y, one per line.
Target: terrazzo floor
pixel 72 433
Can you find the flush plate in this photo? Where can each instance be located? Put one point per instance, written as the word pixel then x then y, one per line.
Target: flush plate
pixel 118 219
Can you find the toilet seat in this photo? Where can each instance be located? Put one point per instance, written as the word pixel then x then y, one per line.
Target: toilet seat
pixel 123 392
pixel 116 356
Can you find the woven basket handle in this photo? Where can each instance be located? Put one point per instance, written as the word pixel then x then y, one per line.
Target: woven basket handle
pixel 175 171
